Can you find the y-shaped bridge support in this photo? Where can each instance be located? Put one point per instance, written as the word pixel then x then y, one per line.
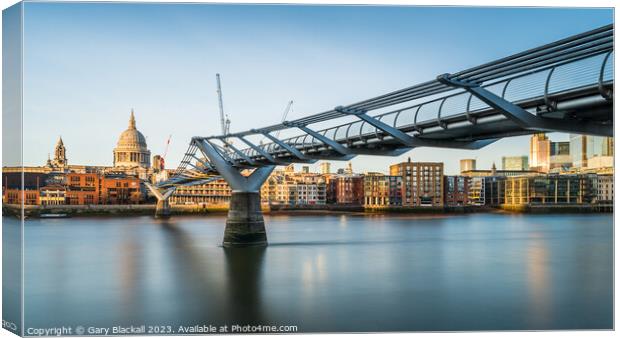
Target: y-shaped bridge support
pixel 245 225
pixel 162 210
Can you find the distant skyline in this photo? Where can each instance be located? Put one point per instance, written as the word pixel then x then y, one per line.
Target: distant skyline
pixel 88 64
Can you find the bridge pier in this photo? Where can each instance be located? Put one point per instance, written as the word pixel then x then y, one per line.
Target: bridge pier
pixel 245 225
pixel 162 209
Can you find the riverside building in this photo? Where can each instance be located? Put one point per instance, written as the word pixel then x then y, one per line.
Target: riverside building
pixel 605 189
pixel 422 182
pixel 215 193
pixel 382 190
pixel 290 188
pixel 456 190
pixel 550 189
pixel 346 189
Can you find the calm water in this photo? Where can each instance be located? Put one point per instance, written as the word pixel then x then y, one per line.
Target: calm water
pixel 325 273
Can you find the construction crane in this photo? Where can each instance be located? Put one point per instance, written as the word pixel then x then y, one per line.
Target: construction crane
pixel 285 113
pixel 287 110
pixel 224 120
pixel 162 158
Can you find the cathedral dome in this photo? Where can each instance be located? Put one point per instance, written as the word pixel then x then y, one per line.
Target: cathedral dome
pixel 131 139
pixel 131 149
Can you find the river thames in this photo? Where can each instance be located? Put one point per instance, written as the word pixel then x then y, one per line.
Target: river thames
pixel 324 272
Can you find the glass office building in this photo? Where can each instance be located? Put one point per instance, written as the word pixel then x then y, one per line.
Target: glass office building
pixel 584 148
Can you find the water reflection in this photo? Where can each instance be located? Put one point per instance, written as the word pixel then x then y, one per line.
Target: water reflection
pixel 219 292
pixel 538 281
pixel 197 277
pixel 325 273
pixel 128 269
pixel 244 269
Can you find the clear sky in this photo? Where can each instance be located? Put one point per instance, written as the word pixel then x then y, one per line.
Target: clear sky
pixel 87 64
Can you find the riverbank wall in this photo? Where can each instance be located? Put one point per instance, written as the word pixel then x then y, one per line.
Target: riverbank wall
pixel 94 209
pixel 149 209
pixel 103 210
pixel 558 208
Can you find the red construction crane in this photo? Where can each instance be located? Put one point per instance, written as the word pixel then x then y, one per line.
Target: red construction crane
pixel 162 159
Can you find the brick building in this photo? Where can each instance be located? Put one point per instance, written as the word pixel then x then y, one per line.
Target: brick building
pixel 13 192
pixel 120 189
pixel 83 188
pixel 422 182
pixel 456 190
pixel 346 189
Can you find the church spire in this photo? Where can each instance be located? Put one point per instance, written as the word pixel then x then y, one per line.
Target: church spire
pixel 60 154
pixel 132 121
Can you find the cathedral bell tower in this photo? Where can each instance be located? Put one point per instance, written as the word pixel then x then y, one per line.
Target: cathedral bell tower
pixel 60 154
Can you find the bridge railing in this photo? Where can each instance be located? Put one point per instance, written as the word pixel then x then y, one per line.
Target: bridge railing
pixel 535 80
pixel 546 83
pixel 192 170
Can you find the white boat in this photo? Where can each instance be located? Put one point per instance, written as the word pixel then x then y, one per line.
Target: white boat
pixel 54 216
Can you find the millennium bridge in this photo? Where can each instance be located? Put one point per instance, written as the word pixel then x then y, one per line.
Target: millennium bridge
pixel 564 86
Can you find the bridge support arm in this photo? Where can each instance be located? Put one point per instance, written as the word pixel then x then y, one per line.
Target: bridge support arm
pixel 522 117
pixel 238 182
pixel 337 147
pixel 411 141
pixel 230 174
pixel 159 194
pixel 222 152
pixel 259 150
pixel 162 209
pixel 395 133
pixel 294 151
pixel 239 152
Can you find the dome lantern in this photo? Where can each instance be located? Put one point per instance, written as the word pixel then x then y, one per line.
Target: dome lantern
pixel 132 121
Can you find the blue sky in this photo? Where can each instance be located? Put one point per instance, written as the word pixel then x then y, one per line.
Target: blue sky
pixel 87 64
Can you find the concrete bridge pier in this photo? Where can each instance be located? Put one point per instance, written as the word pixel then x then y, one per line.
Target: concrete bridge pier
pixel 162 209
pixel 245 225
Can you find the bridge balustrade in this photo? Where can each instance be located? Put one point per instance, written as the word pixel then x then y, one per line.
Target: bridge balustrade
pixel 546 83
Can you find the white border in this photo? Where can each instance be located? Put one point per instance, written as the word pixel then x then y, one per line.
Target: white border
pixel 505 3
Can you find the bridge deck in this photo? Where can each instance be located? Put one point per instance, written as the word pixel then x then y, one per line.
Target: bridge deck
pixel 562 86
